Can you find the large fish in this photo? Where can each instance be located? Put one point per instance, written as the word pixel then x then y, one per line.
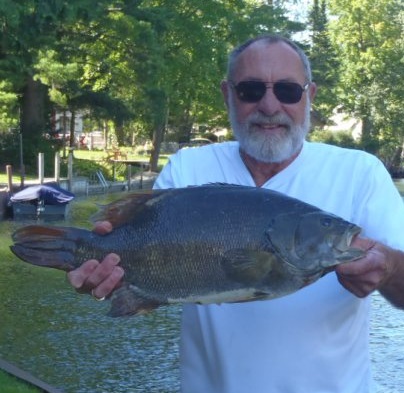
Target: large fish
pixel 205 244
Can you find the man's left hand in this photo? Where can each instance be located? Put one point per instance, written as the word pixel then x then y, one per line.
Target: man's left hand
pixel 363 276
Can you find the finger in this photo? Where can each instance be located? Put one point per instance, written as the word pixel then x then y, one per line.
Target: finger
pixel 105 288
pixel 361 282
pixel 101 272
pixel 361 288
pixel 102 227
pixel 356 290
pixel 352 269
pixel 370 264
pixel 91 273
pixel 363 243
pixel 78 276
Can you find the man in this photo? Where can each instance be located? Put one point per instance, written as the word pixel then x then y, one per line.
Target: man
pixel 315 340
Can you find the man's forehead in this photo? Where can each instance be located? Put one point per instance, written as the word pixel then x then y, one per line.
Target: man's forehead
pixel 269 49
pixel 262 56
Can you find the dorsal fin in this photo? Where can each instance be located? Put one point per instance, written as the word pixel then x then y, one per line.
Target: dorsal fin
pixel 125 209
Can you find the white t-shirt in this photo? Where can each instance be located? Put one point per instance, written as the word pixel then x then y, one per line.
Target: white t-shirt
pixel 313 341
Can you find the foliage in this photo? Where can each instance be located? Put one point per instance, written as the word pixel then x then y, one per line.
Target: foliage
pixel 324 62
pixel 136 65
pixel 83 167
pixel 88 168
pixel 148 68
pixel 10 148
pixel 341 138
pixel 368 35
pixel 8 107
pixel 387 150
pixel 210 135
pixel 29 29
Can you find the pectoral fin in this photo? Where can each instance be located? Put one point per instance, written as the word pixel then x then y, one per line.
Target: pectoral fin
pixel 248 266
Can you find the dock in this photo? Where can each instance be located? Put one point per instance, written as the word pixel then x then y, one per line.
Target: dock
pixel 28 378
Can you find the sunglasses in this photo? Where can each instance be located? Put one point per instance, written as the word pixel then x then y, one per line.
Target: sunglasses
pixel 254 91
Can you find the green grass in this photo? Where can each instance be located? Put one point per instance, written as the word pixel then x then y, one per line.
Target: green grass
pixel 16 178
pixel 100 155
pixel 11 384
pixel 81 209
pixel 87 162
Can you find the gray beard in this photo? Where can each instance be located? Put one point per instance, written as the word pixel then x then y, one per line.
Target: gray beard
pixel 266 147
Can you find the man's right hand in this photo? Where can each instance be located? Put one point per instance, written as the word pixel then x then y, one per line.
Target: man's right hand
pixel 98 278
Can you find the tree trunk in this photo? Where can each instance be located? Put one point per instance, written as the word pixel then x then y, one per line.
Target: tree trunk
pixel 368 140
pixel 33 109
pixel 160 121
pixel 119 132
pixel 158 136
pixel 105 129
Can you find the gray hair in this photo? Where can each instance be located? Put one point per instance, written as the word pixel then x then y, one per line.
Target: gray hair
pixel 269 39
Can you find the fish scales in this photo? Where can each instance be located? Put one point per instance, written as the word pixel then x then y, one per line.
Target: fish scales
pixel 206 244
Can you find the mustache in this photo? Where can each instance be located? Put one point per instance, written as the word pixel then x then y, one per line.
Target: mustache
pixel 279 118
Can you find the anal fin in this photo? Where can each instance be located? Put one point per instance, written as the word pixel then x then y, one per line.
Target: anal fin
pixel 125 302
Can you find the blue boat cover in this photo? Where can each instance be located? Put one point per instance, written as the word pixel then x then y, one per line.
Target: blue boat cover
pixel 50 194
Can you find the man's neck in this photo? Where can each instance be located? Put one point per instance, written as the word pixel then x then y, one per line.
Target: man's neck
pixel 263 171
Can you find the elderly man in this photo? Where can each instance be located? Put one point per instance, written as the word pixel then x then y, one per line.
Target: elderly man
pixel 315 340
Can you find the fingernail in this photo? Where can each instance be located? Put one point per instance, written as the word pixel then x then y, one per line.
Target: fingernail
pixel 114 257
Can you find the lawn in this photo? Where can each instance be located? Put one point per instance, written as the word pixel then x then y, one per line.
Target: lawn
pixel 9 310
pixel 86 163
pixel 10 384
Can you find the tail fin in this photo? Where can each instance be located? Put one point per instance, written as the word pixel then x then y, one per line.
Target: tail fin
pixel 47 246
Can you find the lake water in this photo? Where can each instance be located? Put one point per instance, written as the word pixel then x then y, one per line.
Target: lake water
pixel 66 339
pixel 387 346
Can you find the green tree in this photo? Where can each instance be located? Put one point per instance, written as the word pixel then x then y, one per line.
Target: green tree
pixel 194 43
pixel 29 28
pixel 368 35
pixel 146 64
pixel 325 66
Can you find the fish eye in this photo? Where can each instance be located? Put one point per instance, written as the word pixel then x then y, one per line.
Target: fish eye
pixel 326 222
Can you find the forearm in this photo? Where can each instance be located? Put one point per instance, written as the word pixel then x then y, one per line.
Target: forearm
pixel 393 287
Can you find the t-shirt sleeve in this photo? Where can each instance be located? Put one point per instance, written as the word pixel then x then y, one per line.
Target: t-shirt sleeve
pixel 380 210
pixel 165 178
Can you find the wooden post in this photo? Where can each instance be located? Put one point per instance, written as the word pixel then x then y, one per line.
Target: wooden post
pixel 129 169
pixel 57 167
pixel 9 170
pixel 41 167
pixel 22 166
pixel 70 170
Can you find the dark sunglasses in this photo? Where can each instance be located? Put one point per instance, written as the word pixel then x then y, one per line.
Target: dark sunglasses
pixel 254 91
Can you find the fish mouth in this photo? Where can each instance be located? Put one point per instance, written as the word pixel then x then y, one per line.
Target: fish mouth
pixel 345 251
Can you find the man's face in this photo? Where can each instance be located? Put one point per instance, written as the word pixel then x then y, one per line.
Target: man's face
pixel 269 130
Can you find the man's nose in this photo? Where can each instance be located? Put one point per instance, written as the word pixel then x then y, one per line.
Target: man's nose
pixel 269 104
